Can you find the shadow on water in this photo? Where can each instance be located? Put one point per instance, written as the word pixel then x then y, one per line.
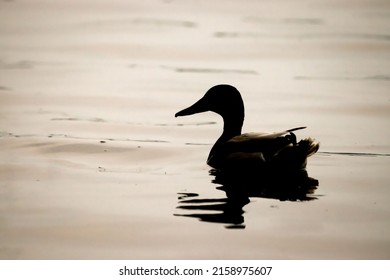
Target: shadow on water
pixel 229 211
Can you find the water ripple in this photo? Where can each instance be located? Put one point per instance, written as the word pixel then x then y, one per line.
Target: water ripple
pixel 210 70
pixel 303 36
pixel 4 134
pixel 341 78
pixel 356 154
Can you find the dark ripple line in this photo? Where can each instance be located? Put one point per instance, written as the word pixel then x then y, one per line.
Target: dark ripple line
pixel 165 22
pixel 102 140
pixel 308 36
pixel 19 65
pixel 210 70
pixel 100 120
pixel 186 124
pixel 356 154
pixel 289 21
pixel 196 144
pixel 370 78
pixel 78 119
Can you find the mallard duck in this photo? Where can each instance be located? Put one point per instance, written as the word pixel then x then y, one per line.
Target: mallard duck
pixel 250 152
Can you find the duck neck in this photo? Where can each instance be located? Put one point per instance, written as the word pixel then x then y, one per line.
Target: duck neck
pixel 230 130
pixel 231 127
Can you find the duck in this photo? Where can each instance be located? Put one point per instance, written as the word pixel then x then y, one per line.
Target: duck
pixel 277 153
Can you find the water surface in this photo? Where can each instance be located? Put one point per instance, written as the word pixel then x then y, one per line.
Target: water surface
pixel 94 165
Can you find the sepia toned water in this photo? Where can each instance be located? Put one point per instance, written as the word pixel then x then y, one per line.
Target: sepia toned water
pixel 93 164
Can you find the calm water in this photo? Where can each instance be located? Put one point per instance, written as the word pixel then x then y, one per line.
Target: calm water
pixel 94 164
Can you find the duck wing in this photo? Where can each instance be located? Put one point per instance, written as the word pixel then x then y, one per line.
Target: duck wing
pixel 260 136
pixel 267 143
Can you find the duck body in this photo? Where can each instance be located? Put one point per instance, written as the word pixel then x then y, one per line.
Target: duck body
pixel 249 155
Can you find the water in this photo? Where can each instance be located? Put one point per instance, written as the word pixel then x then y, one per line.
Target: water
pixel 94 165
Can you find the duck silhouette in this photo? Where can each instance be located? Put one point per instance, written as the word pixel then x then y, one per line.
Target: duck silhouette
pixel 256 157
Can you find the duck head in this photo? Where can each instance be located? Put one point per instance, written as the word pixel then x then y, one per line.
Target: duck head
pixel 224 100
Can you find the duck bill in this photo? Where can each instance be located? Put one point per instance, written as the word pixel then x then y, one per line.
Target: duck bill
pixel 198 107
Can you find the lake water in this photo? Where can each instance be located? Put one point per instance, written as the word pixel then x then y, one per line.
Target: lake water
pixel 93 164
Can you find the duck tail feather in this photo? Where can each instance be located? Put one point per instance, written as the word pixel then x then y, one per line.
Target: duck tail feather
pixel 310 145
pixel 296 128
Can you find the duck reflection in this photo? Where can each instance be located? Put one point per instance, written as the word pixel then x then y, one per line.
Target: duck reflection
pixel 229 211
